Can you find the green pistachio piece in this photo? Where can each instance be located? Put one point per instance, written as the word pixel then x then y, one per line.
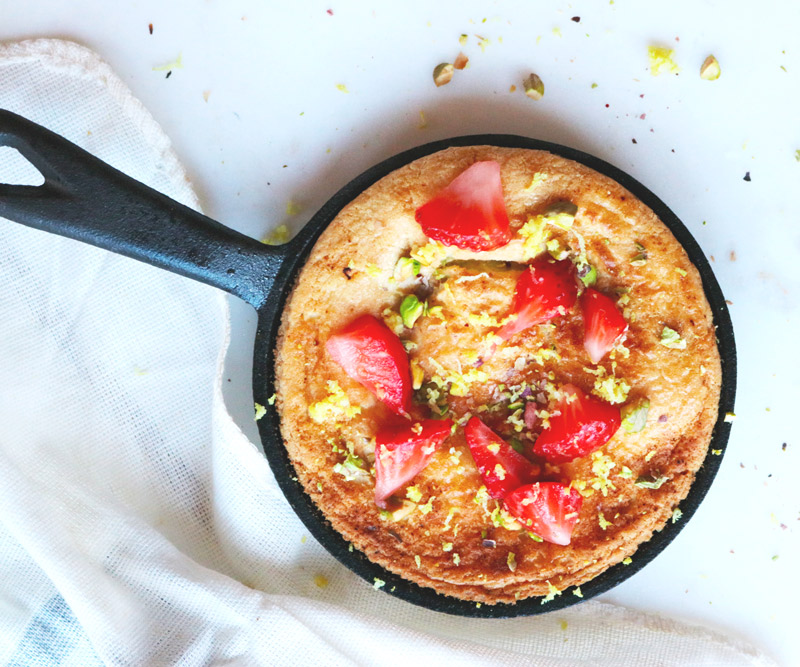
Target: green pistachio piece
pixel 672 339
pixel 634 416
pixel 709 70
pixel 588 274
pixel 442 74
pixel 652 483
pixel 533 86
pixel 406 268
pixel 411 310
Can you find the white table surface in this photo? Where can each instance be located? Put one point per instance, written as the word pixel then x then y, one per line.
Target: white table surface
pixel 280 102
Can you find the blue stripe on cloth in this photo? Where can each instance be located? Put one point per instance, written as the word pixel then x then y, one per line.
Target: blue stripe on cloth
pixel 50 636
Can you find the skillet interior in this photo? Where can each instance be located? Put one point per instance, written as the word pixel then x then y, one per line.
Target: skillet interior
pixel 269 425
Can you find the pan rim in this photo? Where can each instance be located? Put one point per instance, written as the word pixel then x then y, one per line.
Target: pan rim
pixel 305 508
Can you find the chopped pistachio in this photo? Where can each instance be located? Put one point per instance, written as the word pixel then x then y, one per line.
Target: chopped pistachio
pixel 406 268
pixel 512 561
pixel 413 494
pixel 417 560
pixel 271 399
pixel 410 310
pixel 462 39
pixel 533 86
pixel 709 70
pixel 661 61
pixel 535 537
pixel 588 274
pixel 716 452
pixel 672 339
pixel 601 519
pixel 456 559
pixel 640 259
pixel 676 515
pixel 797 155
pixel 730 417
pixel 681 272
pixel 634 415
pixel 577 592
pixel 652 483
pixel 447 546
pixel 626 472
pixel 260 411
pixel 379 583
pixel 442 74
pixel 351 468
pixel 627 561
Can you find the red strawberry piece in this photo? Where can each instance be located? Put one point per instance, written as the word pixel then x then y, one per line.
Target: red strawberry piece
pixel 501 468
pixel 548 509
pixel 401 452
pixel 585 424
pixel 470 212
pixel 372 354
pixel 602 322
pixel 545 290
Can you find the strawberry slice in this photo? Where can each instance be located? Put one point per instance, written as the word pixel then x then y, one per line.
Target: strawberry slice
pixel 470 212
pixel 401 452
pixel 584 425
pixel 372 354
pixel 548 509
pixel 602 322
pixel 501 468
pixel 545 290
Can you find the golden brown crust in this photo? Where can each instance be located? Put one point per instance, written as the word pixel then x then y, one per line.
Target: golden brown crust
pixel 456 547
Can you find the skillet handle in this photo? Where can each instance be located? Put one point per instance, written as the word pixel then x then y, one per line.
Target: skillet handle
pixel 86 199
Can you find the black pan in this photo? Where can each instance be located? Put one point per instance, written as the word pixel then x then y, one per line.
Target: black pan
pixel 86 199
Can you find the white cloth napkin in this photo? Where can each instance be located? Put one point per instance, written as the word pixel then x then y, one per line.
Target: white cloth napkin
pixel 138 526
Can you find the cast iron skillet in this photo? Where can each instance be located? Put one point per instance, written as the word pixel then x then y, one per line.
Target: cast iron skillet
pixel 85 199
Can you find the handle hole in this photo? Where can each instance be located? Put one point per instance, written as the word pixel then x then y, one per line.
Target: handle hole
pixel 16 170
